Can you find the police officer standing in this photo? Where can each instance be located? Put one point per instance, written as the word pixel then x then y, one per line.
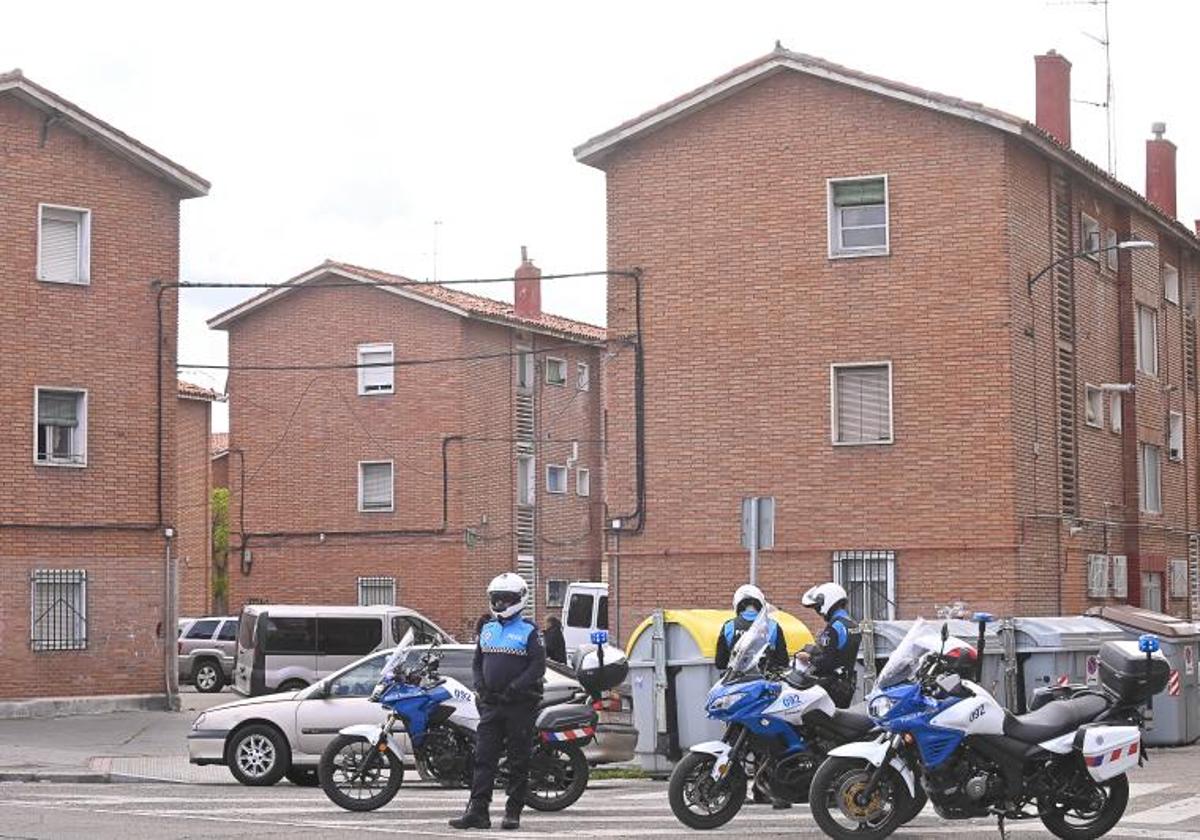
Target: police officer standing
pixel 833 656
pixel 748 602
pixel 508 669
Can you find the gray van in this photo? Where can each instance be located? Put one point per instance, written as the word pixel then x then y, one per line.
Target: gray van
pixel 287 648
pixel 206 650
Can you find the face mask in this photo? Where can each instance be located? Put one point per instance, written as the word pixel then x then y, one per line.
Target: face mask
pixel 749 615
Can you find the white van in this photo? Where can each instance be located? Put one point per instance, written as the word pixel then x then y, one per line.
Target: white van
pixel 286 648
pixel 585 610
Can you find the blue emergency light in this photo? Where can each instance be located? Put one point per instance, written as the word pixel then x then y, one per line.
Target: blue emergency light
pixel 1148 643
pixel 600 637
pixel 984 617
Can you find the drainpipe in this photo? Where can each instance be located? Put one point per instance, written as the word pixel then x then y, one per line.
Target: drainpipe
pixel 170 622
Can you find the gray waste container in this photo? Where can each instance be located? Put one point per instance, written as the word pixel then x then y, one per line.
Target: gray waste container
pixel 1059 651
pixel 671 671
pixel 1176 710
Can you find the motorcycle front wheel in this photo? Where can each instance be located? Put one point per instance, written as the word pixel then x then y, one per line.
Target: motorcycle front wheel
pixel 834 800
pixel 697 799
pixel 357 776
pixel 558 776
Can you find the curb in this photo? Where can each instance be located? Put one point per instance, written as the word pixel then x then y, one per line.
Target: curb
pixel 58 776
pixel 50 707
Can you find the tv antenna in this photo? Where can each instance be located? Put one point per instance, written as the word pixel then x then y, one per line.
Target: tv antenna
pixel 1105 42
pixel 437 224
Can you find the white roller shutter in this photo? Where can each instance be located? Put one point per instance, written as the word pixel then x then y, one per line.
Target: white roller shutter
pixel 376 481
pixel 61 238
pixel 863 404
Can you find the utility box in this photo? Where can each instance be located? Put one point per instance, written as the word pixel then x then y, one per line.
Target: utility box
pixel 1177 709
pixel 671 672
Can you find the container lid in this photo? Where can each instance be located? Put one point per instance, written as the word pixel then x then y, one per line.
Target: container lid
pixel 704 626
pixel 1070 632
pixel 1164 625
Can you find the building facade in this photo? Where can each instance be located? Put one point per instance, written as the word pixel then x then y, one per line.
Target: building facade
pixel 834 310
pixel 393 442
pixel 89 223
pixel 193 494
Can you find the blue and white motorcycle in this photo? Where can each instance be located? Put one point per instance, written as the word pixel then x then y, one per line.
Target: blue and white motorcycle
pixel 363 767
pixel 1064 763
pixel 779 727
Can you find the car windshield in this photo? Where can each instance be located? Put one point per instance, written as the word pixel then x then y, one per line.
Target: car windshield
pixel 922 638
pixel 749 648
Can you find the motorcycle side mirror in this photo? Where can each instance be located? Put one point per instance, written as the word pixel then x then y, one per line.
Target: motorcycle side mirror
pixel 945 632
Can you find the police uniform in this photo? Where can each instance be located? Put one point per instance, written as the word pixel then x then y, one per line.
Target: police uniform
pixel 777 652
pixel 509 664
pixel 833 657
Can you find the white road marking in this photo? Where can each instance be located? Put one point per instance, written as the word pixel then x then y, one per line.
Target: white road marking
pixel 1168 814
pixel 1137 789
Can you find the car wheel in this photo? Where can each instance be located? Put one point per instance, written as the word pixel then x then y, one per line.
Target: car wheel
pixel 258 755
pixel 303 776
pixel 207 676
pixel 292 685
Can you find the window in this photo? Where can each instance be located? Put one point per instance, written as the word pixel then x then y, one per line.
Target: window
pixel 583 481
pixel 202 629
pixel 556 371
pixel 61 438
pixel 1152 591
pixel 1110 249
pixel 1116 405
pixel 525 368
pixel 58 609
pixel 375 486
pixel 525 480
pixel 1095 406
pixel 1177 574
pixel 376 591
pixel 869 578
pixel 1120 576
pixel 602 613
pixel 862 403
pixel 1170 280
pixel 1089 235
pixel 360 680
pixel 1175 436
pixel 1097 570
pixel 376 380
pixel 228 632
pixel 556 593
pixel 1150 479
pixel 1147 340
pixel 348 636
pixel 583 376
pixel 64 249
pixel 579 612
pixel 556 479
pixel 858 216
pixel 290 635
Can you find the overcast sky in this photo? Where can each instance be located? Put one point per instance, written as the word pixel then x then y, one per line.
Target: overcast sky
pixel 353 130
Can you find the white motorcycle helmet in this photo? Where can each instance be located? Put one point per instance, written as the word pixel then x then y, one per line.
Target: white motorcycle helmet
pixel 748 592
pixel 824 597
pixel 507 595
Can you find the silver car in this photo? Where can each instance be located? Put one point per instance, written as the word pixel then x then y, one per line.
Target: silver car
pixel 207 648
pixel 264 739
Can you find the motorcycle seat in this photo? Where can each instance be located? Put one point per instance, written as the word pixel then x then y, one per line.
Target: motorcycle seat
pixel 1055 718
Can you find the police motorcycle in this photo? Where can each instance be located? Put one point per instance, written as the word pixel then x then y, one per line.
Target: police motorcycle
pixel 1064 763
pixel 779 727
pixel 362 769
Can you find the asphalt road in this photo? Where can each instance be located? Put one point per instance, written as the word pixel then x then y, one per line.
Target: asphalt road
pixel 1165 806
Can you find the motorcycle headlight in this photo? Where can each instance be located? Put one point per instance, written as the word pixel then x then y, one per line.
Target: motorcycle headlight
pixel 725 701
pixel 880 707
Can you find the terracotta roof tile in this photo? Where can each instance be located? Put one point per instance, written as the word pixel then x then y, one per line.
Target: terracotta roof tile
pixel 218 443
pixel 191 391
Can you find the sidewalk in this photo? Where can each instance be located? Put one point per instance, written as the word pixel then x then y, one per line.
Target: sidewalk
pixel 117 746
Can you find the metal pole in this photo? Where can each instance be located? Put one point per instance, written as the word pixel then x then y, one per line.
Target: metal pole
pixel 170 622
pixel 754 540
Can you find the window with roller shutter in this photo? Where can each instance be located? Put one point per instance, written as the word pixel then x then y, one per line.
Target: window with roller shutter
pixel 858 216
pixel 376 375
pixel 861 403
pixel 64 234
pixel 1097 570
pixel 375 486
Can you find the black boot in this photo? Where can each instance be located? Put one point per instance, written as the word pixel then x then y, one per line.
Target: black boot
pixel 512 816
pixel 476 816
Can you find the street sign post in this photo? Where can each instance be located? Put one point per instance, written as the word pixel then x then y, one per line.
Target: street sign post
pixel 758 528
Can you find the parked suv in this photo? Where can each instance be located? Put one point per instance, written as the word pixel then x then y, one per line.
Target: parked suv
pixel 207 650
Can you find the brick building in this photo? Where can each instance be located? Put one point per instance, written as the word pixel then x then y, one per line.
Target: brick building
pixel 89 220
pixel 835 311
pixel 472 447
pixel 193 494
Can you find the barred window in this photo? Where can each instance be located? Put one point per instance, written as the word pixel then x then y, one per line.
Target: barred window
pixel 58 619
pixel 869 578
pixel 377 592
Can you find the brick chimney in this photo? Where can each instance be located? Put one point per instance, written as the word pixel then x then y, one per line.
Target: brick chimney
pixel 1053 74
pixel 1160 170
pixel 528 294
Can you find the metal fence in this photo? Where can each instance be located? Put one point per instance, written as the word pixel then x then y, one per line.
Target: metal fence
pixel 58 604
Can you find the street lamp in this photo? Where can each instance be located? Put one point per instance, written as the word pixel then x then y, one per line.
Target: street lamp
pixel 1127 245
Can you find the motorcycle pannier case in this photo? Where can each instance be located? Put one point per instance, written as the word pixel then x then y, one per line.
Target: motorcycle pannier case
pixel 1128 676
pixel 596 678
pixel 1109 751
pixel 567 722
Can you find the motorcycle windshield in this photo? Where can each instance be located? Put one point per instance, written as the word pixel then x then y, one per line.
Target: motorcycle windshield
pixel 397 658
pixel 922 638
pixel 748 649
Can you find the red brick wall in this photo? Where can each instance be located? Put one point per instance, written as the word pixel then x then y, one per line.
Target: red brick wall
pixel 193 521
pixel 100 337
pixel 302 435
